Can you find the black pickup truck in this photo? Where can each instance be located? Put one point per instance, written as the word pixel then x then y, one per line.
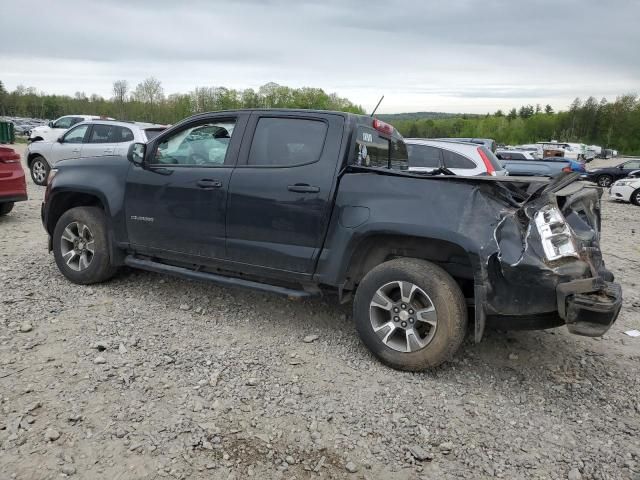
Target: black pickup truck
pixel 303 203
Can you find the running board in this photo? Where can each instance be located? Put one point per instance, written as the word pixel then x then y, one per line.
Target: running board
pixel 158 267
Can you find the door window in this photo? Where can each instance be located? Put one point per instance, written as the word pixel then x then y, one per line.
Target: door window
pixel 76 135
pixel 205 144
pixel 633 165
pixel 101 134
pixel 423 156
pixel 285 142
pixel 64 122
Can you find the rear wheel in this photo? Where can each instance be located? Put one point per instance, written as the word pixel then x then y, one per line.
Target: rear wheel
pixel 635 197
pixel 5 208
pixel 80 246
pixel 410 313
pixel 39 170
pixel 605 180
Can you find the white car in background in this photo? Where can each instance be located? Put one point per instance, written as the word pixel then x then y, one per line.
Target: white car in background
pixel 627 189
pixel 96 138
pixel 51 132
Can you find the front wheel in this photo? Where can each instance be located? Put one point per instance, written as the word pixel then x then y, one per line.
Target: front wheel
pixel 81 247
pixel 635 197
pixel 39 170
pixel 605 180
pixel 5 208
pixel 410 313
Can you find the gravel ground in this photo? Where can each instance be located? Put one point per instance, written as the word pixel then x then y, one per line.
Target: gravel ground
pixel 149 376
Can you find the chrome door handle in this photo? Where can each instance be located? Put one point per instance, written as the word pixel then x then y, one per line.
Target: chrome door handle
pixel 303 188
pixel 208 183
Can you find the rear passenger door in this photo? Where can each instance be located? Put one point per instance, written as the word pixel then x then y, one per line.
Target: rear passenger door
pixel 279 195
pixel 100 141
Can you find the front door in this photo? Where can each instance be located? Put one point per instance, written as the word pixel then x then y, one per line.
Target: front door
pixel 176 202
pixel 279 195
pixel 70 145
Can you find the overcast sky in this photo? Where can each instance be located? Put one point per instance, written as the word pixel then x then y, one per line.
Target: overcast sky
pixel 450 56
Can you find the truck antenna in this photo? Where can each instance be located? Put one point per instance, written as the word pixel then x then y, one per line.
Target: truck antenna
pixel 379 102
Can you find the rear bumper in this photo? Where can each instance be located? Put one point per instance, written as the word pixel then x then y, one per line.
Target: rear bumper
pixel 589 306
pixel 13 198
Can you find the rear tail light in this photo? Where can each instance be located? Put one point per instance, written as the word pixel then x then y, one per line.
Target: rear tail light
pixel 382 126
pixel 487 163
pixel 567 170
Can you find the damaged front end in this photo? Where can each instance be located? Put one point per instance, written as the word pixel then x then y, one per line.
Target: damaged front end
pixel 548 264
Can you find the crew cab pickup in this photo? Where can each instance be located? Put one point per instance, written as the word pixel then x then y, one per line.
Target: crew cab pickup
pixel 302 203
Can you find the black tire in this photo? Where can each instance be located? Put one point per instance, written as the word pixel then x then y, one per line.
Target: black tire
pixel 604 181
pixel 99 268
pixel 635 197
pixel 446 297
pixel 5 208
pixel 39 170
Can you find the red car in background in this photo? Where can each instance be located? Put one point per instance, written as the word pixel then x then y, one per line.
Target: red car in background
pixel 13 187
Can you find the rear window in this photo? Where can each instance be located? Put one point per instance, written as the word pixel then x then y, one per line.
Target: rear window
pixel 495 163
pixel 374 150
pixel 423 156
pixel 152 133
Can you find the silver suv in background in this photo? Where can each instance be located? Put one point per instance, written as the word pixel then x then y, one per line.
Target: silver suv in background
pixel 461 158
pixel 96 138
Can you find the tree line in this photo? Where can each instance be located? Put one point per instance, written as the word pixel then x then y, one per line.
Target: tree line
pixel 614 125
pixel 147 101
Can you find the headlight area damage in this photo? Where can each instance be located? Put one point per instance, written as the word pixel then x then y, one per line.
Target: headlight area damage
pixel 548 263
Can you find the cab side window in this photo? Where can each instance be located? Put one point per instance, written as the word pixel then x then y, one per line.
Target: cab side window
pixel 205 144
pixel 285 142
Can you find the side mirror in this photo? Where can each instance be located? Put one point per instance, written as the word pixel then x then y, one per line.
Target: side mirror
pixel 50 124
pixel 136 153
pixel 60 139
pixel 634 174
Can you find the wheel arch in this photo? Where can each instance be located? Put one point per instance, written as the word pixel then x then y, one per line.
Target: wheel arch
pixel 66 200
pixel 32 156
pixel 378 247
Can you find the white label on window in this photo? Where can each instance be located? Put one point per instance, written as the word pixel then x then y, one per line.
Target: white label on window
pixel 367 137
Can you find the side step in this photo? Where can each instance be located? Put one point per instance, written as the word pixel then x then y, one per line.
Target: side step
pixel 158 267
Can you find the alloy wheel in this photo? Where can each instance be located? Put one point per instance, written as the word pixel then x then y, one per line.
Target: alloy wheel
pixel 403 316
pixel 77 246
pixel 39 171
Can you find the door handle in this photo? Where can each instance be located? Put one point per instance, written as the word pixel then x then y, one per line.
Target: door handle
pixel 208 183
pixel 108 150
pixel 303 188
pixel 75 150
